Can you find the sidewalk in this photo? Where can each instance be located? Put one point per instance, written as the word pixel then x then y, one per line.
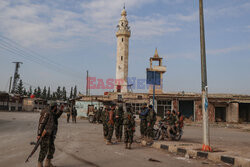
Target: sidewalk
pixel 230 145
pixel 243 126
pixel 193 150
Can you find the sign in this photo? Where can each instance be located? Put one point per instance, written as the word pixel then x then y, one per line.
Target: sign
pixel 153 78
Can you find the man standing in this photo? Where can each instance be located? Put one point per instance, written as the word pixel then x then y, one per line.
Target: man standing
pixel 74 114
pixel 99 113
pixel 68 113
pixel 151 119
pixel 48 125
pixel 129 128
pixel 111 124
pixel 143 117
pixel 105 115
pixel 119 123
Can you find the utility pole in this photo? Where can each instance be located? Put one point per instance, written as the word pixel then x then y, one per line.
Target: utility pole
pixel 10 84
pixel 206 140
pixel 87 85
pixel 16 76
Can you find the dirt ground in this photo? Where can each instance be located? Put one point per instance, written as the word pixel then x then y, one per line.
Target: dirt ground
pixel 81 144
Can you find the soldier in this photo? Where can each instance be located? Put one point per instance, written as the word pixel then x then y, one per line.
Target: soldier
pixel 68 113
pixel 95 115
pixel 151 119
pixel 74 114
pixel 99 113
pixel 48 124
pixel 119 123
pixel 129 128
pixel 105 121
pixel 171 121
pixel 111 117
pixel 143 123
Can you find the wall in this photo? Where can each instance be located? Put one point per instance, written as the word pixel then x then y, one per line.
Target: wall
pixel 198 112
pixel 232 113
pixel 82 107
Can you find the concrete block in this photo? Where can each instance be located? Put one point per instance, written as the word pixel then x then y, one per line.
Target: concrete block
pixel 242 162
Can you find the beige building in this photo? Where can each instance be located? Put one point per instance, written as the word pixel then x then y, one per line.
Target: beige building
pixel 122 34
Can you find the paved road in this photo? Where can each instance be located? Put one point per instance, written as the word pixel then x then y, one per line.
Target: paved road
pixel 78 145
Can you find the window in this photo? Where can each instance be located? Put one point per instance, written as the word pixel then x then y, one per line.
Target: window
pixel 121 58
pixel 122 39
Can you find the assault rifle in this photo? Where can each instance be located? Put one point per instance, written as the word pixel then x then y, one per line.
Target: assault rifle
pixel 36 146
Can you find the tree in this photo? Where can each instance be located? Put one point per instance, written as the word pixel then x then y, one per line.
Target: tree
pixel 48 94
pixel 25 93
pixel 30 91
pixel 75 92
pixel 38 92
pixel 64 94
pixel 54 96
pixel 35 92
pixel 58 93
pixel 44 93
pixel 20 88
pixel 71 93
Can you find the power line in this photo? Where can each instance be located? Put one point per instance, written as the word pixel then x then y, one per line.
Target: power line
pixel 15 53
pixel 14 48
pixel 33 53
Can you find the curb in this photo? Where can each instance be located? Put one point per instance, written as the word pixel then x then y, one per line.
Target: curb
pixel 216 157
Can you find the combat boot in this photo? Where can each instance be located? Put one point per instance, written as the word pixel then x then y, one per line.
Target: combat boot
pixel 48 163
pixel 40 164
pixel 129 146
pixel 126 145
pixel 142 137
pixel 109 143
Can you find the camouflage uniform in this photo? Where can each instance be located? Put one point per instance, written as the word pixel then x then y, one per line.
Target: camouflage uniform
pixel 105 122
pixel 143 123
pixel 129 127
pixel 151 119
pixel 99 113
pixel 119 123
pixel 111 115
pixel 68 114
pixel 74 114
pixel 171 121
pixel 48 121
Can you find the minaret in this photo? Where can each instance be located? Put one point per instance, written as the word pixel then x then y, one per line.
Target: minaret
pixel 158 68
pixel 122 34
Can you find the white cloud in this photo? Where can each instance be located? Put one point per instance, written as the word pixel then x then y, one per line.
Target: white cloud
pixel 152 26
pixel 228 50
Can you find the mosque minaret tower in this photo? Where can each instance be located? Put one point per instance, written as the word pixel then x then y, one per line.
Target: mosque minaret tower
pixel 122 34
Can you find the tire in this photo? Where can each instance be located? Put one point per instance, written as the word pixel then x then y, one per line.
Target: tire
pixel 91 119
pixel 178 137
pixel 157 134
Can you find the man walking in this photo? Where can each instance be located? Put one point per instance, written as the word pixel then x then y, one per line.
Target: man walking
pixel 74 114
pixel 119 123
pixel 48 125
pixel 68 113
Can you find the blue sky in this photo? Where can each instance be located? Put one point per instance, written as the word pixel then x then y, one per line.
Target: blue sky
pixel 79 35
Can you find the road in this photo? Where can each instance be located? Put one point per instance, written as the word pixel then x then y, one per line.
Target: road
pixel 78 145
